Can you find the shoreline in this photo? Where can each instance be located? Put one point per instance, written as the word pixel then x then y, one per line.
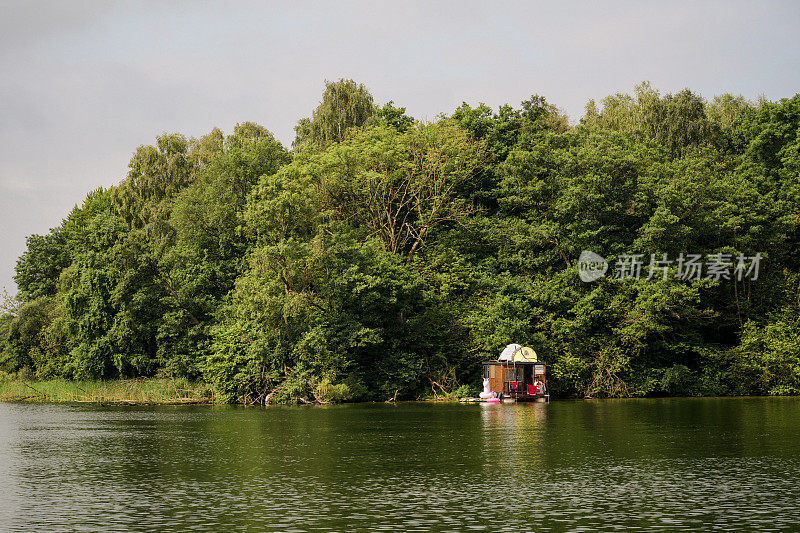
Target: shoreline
pixel 168 392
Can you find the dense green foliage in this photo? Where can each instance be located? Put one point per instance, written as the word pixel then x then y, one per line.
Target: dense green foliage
pixel 385 257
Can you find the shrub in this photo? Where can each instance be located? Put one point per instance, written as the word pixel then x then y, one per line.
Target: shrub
pixel 678 380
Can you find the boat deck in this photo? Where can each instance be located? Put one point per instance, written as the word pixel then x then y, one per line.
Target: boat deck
pixel 522 398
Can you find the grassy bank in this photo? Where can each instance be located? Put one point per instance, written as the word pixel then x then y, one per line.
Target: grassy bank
pixel 128 391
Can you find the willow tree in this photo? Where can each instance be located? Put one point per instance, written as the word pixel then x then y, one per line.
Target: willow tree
pixel 678 122
pixel 345 105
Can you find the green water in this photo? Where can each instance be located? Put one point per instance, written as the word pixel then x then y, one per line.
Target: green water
pixel 670 465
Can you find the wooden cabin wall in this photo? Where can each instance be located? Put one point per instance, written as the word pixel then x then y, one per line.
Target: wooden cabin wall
pixel 496 378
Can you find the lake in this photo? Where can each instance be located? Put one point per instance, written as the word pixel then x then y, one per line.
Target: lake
pixel 657 464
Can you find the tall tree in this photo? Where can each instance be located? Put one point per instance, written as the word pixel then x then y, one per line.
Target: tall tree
pixel 345 105
pixel 38 268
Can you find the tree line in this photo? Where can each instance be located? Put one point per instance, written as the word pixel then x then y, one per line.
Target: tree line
pixel 382 256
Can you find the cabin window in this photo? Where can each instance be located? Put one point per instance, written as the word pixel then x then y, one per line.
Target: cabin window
pixel 513 374
pixel 485 371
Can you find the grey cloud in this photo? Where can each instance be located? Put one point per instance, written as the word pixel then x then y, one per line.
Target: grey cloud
pixel 31 23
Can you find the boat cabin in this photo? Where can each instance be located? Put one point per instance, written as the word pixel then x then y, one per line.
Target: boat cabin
pixel 518 376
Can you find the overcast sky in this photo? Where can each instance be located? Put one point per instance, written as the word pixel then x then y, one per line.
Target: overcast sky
pixel 83 84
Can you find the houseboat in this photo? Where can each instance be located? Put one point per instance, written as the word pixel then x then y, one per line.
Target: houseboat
pixel 517 375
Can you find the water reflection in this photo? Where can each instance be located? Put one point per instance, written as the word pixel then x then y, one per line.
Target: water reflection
pixel 656 464
pixel 512 441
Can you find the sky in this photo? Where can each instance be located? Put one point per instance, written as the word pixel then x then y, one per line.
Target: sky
pixel 82 84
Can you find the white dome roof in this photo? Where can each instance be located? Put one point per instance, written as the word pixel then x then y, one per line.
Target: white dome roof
pixel 508 352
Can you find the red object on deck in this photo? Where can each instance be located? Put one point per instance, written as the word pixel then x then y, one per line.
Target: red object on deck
pixel 532 390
